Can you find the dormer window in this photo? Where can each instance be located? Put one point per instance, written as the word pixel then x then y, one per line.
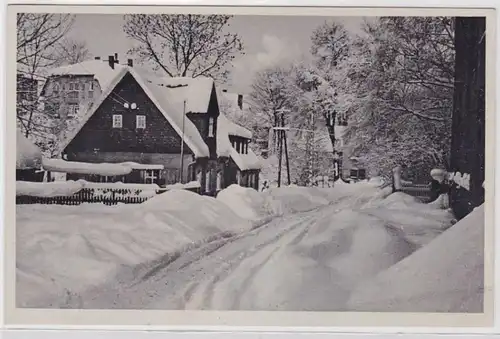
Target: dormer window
pixel 210 127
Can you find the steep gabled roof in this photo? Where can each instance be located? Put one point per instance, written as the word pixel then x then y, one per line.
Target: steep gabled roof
pixel 225 128
pixel 168 96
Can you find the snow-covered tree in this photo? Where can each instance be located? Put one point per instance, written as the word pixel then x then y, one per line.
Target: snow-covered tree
pixel 184 44
pixel 42 44
pixel 330 45
pixel 397 87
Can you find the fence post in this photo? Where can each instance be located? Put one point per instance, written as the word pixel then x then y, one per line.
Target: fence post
pixel 396 179
pixel 439 187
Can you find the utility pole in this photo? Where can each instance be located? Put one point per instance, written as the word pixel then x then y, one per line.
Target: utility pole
pixel 182 144
pixel 286 150
pixel 281 134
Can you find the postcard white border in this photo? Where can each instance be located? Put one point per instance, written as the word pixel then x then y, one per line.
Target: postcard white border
pixel 255 320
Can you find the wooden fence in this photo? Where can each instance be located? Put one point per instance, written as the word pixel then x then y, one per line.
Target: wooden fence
pixel 420 191
pixel 107 196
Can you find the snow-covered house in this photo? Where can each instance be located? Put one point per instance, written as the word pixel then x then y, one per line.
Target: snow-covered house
pixel 167 128
pixel 28 160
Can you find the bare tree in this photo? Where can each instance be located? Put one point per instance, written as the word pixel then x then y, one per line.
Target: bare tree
pixel 38 38
pixel 70 51
pixel 184 45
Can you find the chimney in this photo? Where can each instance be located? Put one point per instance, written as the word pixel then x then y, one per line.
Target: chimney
pixel 97 58
pixel 240 101
pixel 111 61
pixel 116 58
pixel 130 62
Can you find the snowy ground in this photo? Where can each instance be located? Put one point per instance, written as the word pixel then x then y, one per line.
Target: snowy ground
pixel 351 247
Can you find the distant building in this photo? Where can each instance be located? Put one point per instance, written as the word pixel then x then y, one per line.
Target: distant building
pixel 26 89
pixel 171 128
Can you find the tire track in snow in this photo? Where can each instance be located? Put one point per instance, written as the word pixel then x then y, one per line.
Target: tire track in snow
pixel 233 262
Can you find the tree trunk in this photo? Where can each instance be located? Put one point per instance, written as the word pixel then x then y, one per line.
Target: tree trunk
pixel 331 132
pixel 468 121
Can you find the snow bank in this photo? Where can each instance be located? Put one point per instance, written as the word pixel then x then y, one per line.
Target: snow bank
pixel 447 275
pixel 28 154
pixel 68 188
pixel 249 204
pixel 191 184
pixel 318 266
pixel 48 189
pixel 76 247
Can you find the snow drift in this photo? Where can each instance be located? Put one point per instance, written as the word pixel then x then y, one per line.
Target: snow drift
pixel 74 247
pixel 447 275
pixel 249 204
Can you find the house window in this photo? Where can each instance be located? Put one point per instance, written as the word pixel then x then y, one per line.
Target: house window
pixel 198 176
pixel 211 127
pixel 73 95
pixel 91 87
pixel 151 176
pixel 140 121
pixel 91 94
pixel 55 89
pixel 219 180
pixel 117 121
pixel 73 110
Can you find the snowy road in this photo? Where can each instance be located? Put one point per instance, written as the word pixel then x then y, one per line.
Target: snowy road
pixel 289 263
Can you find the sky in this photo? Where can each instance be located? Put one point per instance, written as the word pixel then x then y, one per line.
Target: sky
pixel 267 40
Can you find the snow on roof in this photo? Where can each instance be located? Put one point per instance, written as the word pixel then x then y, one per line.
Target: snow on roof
pixel 231 128
pixel 231 99
pixel 63 166
pixel 245 162
pixel 225 128
pixel 99 69
pixel 168 94
pixel 28 154
pixel 196 91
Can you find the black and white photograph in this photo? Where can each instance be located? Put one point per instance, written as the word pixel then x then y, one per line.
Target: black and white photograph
pixel 229 162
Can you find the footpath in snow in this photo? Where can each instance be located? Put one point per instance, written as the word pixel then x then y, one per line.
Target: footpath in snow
pixel 288 248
